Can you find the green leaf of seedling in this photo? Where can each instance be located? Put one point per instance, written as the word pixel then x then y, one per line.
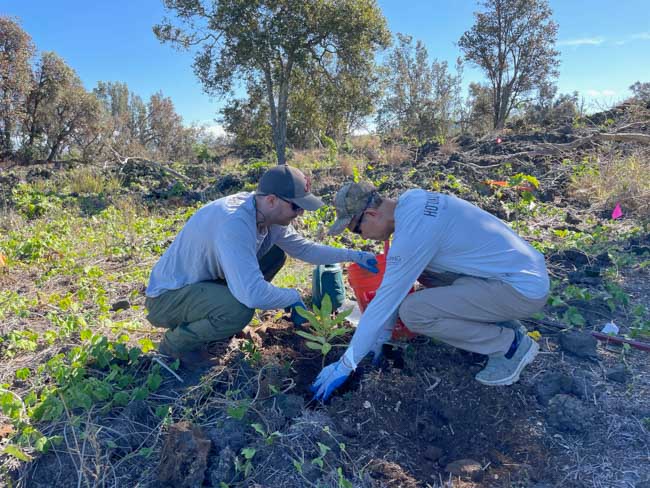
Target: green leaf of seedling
pixel 248 453
pixel 146 345
pixel 326 348
pixel 154 380
pixel 134 354
pixel 343 315
pixel 323 448
pixel 15 451
pixel 162 411
pixel 318 462
pixel 314 345
pixel 326 306
pixel 23 373
pixel 41 444
pixel 297 465
pixel 140 393
pixel 259 429
pixel 121 398
pixel 308 336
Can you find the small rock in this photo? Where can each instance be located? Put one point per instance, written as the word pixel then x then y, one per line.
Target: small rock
pixel 618 373
pixel 552 384
pixel 465 468
pixel 223 469
pixel 232 433
pixel 184 456
pixel 291 406
pixel 572 219
pixel 120 305
pixel 567 413
pixel 580 344
pixel 433 453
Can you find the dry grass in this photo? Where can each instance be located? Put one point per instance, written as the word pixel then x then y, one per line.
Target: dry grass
pixel 87 180
pixel 449 148
pixel 308 158
pixel 395 154
pixel 620 180
pixel 366 147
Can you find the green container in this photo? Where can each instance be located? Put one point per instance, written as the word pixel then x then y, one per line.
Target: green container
pixel 327 279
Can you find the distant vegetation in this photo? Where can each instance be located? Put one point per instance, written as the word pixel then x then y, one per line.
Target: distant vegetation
pixel 311 81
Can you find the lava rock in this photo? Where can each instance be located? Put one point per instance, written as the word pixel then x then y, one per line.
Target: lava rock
pixel 572 219
pixel 466 468
pixel 184 456
pixel 579 344
pixel 291 406
pixel 232 433
pixel 567 413
pixel 433 453
pixel 223 469
pixel 120 305
pixel 553 384
pixel 617 373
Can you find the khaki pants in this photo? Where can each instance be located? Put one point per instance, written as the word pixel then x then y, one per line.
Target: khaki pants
pixel 207 311
pixel 462 311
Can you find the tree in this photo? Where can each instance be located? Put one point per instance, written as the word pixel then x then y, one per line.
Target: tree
pixel 333 105
pixel 16 50
pixel 247 120
pixel 66 111
pixel 50 76
pixel 477 116
pixel 549 108
pixel 166 138
pixel 513 42
pixel 263 41
pixel 641 91
pixel 419 98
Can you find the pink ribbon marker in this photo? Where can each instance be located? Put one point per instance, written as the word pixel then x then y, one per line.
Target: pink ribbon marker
pixel 617 213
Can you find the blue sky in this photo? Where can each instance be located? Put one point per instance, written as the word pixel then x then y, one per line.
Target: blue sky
pixel 604 44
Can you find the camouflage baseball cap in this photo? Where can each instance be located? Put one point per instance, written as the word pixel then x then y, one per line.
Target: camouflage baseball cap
pixel 350 201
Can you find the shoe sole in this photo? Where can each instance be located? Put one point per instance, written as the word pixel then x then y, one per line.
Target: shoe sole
pixel 514 377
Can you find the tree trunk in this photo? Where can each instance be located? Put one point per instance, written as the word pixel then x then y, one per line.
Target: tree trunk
pixel 53 152
pixel 5 136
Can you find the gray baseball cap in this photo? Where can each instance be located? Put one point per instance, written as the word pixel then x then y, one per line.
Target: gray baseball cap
pixel 350 201
pixel 290 184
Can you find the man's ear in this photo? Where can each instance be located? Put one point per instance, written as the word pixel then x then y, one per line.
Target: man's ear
pixel 271 200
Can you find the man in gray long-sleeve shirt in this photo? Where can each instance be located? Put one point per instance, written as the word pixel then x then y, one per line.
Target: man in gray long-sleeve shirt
pixel 217 271
pixel 479 277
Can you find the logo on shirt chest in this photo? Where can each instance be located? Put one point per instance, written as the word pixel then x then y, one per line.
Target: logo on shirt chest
pixel 432 205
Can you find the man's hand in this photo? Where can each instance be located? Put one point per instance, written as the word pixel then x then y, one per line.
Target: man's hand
pixel 296 318
pixel 377 353
pixel 366 260
pixel 329 379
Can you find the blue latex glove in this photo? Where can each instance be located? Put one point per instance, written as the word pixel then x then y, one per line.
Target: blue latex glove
pixel 366 260
pixel 296 318
pixel 329 379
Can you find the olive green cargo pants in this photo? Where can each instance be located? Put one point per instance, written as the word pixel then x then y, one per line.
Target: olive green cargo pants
pixel 206 311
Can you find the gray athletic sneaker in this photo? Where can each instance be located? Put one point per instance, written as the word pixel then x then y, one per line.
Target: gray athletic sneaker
pixel 500 370
pixel 514 325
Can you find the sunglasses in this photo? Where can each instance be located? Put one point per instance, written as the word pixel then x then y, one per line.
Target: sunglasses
pixel 357 227
pixel 294 207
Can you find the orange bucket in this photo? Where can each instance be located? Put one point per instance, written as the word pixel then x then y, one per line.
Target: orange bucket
pixel 365 285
